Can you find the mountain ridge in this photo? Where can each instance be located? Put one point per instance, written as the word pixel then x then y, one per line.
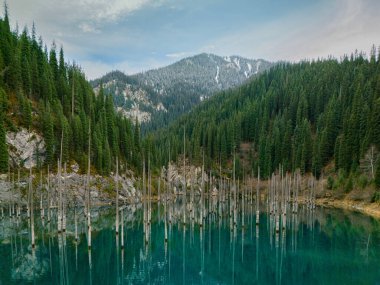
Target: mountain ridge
pixel 158 96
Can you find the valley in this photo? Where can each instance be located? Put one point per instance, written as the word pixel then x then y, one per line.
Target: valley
pixel 162 142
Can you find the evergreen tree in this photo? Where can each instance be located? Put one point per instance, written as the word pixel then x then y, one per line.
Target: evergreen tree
pixel 137 136
pixel 3 101
pixel 98 151
pixel 25 62
pixel 48 133
pixel 377 175
pixel 106 158
pixel 65 130
pixel 375 121
pixel 53 62
pixel 27 113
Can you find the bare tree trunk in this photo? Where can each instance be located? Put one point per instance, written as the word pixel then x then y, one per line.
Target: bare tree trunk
pixel 60 197
pixel 184 175
pixel 258 197
pixel 48 192
pixel 117 196
pixel 64 203
pixel 31 208
pixel 88 189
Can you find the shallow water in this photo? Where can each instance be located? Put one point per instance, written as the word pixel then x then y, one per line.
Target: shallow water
pixel 324 246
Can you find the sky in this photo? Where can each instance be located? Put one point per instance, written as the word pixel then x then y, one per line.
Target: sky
pixel 138 35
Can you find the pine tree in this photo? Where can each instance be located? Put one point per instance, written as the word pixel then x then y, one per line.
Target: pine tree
pixel 25 63
pixel 77 135
pixel 106 158
pixel 53 62
pixel 62 65
pixel 66 138
pixel 375 125
pixel 3 101
pixel 317 159
pixel 98 151
pixel 27 113
pixel 377 175
pixel 137 136
pixel 49 136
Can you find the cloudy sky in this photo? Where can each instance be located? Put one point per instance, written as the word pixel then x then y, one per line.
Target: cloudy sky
pixel 137 35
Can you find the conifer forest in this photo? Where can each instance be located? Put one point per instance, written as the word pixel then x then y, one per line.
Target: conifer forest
pixel 132 153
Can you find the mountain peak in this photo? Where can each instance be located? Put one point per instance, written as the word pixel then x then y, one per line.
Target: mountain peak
pixel 178 87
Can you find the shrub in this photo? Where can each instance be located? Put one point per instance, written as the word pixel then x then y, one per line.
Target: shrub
pixel 349 185
pixel 330 182
pixel 376 196
pixel 377 175
pixel 362 181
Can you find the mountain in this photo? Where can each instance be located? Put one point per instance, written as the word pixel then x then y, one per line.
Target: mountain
pixel 158 96
pixel 321 117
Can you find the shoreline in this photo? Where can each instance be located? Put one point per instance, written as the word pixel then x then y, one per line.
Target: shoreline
pixel 370 209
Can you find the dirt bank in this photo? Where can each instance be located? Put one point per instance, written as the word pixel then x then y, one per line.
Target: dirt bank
pixel 371 209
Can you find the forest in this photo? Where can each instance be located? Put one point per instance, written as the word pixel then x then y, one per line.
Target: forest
pixel 313 115
pixel 39 90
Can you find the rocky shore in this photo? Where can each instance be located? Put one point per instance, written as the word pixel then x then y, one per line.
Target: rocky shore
pixel 101 189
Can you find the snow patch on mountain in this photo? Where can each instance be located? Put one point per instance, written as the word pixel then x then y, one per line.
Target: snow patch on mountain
pixel 161 107
pixel 258 64
pixel 237 62
pixel 217 75
pixel 227 58
pixel 249 66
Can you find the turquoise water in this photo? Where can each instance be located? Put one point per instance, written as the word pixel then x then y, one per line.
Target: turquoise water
pixel 324 246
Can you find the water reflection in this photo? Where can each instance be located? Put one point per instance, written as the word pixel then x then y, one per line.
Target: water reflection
pixel 211 247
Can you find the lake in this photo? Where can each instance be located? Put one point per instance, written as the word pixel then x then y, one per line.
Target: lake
pixel 321 246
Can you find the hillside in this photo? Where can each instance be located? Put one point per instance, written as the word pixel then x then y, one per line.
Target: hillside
pixel 307 115
pixel 313 116
pixel 41 94
pixel 157 97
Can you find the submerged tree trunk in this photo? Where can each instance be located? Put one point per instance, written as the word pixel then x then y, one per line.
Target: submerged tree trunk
pixel 117 196
pixel 31 208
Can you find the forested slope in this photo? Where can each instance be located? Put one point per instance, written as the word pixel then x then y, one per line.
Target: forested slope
pixel 303 115
pixel 40 91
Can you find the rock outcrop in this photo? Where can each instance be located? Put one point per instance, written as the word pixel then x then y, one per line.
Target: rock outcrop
pixel 26 148
pixel 176 176
pixel 102 189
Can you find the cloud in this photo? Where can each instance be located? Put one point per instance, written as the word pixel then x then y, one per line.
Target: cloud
pixel 102 35
pixel 109 10
pixel 55 16
pixel 335 29
pixel 349 26
pixel 86 28
pixel 89 30
pixel 177 54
